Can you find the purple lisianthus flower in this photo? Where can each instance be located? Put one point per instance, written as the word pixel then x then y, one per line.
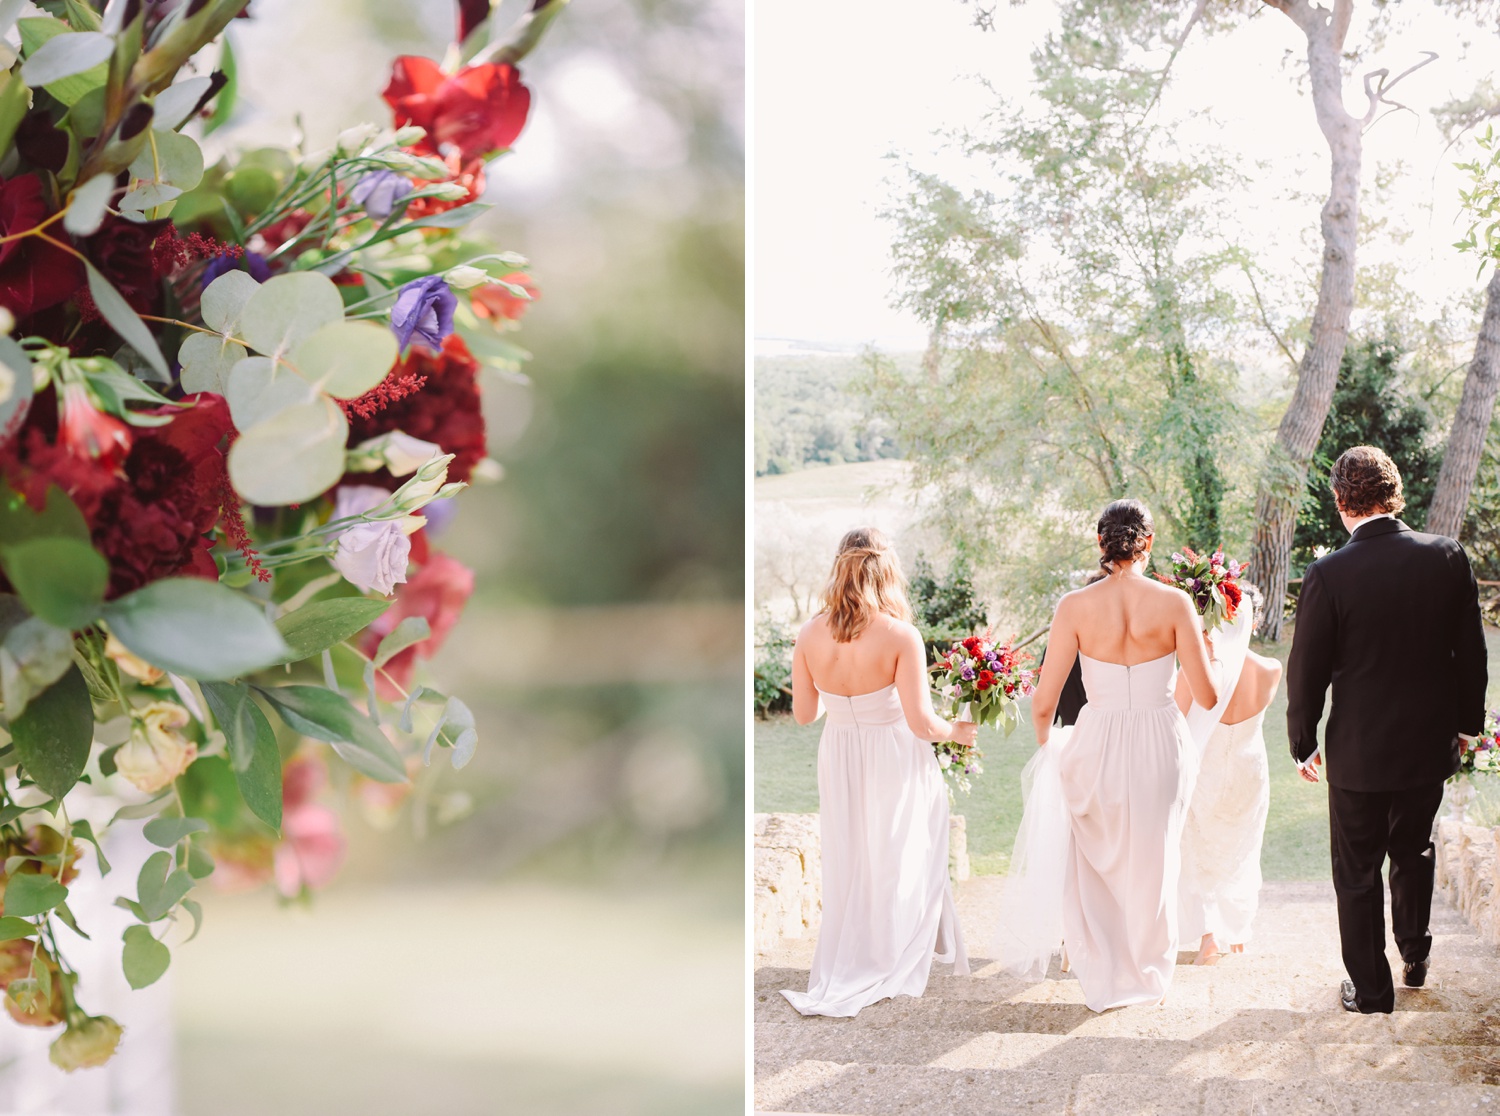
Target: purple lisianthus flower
pixel 424 312
pixel 253 262
pixel 379 191
pixel 968 675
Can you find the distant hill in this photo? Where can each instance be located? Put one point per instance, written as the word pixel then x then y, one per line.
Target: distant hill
pixel 809 410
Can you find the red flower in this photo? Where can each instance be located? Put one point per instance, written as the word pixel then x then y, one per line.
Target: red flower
pixel 33 274
pixel 122 252
pixel 437 592
pixel 497 303
pixel 477 111
pixel 986 678
pixel 86 431
pixel 972 645
pixel 312 847
pixel 446 409
pixel 469 175
pixel 149 518
pixel 1232 597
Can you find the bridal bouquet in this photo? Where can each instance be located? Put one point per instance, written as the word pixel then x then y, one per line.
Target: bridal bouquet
pixel 980 682
pixel 1212 583
pixel 234 402
pixel 1482 757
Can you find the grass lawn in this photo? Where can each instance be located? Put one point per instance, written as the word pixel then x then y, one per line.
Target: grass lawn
pixel 1296 846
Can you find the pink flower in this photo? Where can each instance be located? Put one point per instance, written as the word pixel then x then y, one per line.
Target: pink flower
pixel 437 592
pixel 313 846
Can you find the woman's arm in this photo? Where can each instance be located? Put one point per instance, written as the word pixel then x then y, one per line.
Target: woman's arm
pixel 807 706
pixel 1057 664
pixel 1204 672
pixel 912 685
pixel 1182 695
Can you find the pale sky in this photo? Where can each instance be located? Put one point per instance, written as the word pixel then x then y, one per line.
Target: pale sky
pixel 840 84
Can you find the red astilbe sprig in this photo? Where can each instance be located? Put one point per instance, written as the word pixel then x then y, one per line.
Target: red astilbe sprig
pixel 394 387
pixel 233 519
pixel 171 252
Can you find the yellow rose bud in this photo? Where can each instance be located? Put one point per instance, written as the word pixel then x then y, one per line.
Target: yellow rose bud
pixel 132 664
pixel 86 1044
pixel 156 752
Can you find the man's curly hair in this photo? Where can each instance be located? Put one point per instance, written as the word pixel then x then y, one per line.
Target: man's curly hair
pixel 1365 481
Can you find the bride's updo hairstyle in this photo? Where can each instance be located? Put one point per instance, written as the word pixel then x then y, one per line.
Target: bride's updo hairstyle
pixel 1123 530
pixel 866 581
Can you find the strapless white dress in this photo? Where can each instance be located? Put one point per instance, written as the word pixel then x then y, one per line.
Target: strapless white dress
pixel 1221 844
pixel 887 903
pixel 1127 777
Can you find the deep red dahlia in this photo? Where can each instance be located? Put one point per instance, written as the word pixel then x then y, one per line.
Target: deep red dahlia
pixel 121 250
pixel 445 410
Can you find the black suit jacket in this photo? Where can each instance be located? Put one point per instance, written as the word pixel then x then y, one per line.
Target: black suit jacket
pixel 1391 621
pixel 1073 697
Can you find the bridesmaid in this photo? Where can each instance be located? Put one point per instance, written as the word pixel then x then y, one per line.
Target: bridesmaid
pixel 1127 771
pixel 883 806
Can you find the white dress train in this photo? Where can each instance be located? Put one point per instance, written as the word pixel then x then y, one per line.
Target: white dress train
pixel 1226 823
pixel 1127 777
pixel 888 907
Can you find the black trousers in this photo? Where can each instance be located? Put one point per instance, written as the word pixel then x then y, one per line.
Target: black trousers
pixel 1366 827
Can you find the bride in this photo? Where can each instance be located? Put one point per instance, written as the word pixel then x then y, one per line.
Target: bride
pixel 883 805
pixel 1125 775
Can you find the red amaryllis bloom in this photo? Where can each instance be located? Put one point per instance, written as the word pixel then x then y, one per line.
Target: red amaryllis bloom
pixel 477 111
pixel 445 410
pixel 497 303
pixel 150 518
pixel 86 431
pixel 437 592
pixel 33 273
pixel 312 847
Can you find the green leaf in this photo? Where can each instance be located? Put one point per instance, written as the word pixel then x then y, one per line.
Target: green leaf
pixel 171 159
pixel 158 889
pixel 259 388
pixel 206 361
pixel 114 388
pixel 192 908
pixel 15 99
pixel 322 624
pixel 175 104
pixel 65 916
pixel 86 210
pixel 150 196
pixel 166 832
pixel 59 517
pixel 85 830
pixel 48 63
pixel 12 928
pixel 28 894
pixel 224 300
pixel 124 321
pixel 61 580
pixel 287 309
pixel 224 103
pixel 292 457
pixel 53 736
pixel 33 655
pixel 411 630
pixel 346 359
pixel 199 864
pixel 195 628
pixel 324 715
pixel 144 958
pixel 143 809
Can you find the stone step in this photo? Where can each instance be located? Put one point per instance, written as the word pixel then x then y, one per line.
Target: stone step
pixel 876 1090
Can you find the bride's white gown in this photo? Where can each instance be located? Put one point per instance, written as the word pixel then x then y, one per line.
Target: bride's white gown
pixel 1127 776
pixel 887 903
pixel 1226 823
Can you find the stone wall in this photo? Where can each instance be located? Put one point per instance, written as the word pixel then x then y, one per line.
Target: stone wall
pixel 1467 873
pixel 789 879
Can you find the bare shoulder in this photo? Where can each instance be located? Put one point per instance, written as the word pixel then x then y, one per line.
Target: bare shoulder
pixel 1268 667
pixel 816 628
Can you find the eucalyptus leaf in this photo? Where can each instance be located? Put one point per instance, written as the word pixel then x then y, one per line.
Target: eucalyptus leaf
pixel 63 56
pixel 323 715
pixel 322 624
pixel 259 388
pixel 287 309
pixel 175 104
pixel 169 158
pixel 149 196
pixel 224 300
pixel 206 362
pixel 292 457
pixel 347 359
pixel 28 894
pixel 83 828
pixel 12 928
pixel 411 630
pixel 144 959
pixel 86 210
pixel 54 734
pixel 166 832
pixel 159 887
pixel 62 580
pixel 196 910
pixel 196 628
pixel 125 321
pixel 33 655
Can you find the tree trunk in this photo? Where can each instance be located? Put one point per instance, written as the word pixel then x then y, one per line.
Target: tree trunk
pixel 1470 424
pixel 1285 477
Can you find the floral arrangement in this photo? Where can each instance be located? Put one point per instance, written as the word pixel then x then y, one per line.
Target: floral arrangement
pixel 1212 583
pixel 235 401
pixel 1482 757
pixel 980 682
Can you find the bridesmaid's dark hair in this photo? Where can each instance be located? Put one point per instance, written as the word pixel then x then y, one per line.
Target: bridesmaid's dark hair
pixel 1123 530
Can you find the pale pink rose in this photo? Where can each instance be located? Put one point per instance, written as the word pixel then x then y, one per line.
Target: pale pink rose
pixel 437 592
pixel 313 846
pixel 156 753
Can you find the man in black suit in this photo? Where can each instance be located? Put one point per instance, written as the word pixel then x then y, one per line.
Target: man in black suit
pixel 1391 620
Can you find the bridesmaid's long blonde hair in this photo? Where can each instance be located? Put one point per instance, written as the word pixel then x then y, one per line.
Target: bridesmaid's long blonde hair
pixel 866 581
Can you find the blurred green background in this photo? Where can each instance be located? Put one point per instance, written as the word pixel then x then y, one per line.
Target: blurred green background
pixel 574 944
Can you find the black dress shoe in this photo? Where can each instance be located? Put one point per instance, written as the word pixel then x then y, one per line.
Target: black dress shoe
pixel 1346 996
pixel 1414 974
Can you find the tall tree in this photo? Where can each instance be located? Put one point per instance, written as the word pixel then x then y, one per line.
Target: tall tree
pixel 1281 486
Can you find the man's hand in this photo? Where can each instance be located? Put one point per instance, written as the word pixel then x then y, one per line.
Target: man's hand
pixel 1309 772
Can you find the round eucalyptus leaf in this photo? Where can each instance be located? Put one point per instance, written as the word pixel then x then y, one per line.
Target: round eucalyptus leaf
pixel 224 299
pixel 206 362
pixel 170 158
pixel 258 388
pixel 292 457
pixel 347 359
pixel 86 211
pixel 175 104
pixel 147 197
pixel 287 309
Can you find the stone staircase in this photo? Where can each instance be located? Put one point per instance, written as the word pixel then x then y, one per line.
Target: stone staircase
pixel 1260 1033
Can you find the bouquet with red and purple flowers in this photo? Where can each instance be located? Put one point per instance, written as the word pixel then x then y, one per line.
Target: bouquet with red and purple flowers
pixel 982 682
pixel 1482 755
pixel 1211 580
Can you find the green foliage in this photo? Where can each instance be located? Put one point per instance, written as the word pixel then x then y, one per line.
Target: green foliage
pixel 54 734
pixel 195 628
pixel 1373 404
pixel 144 959
pixel 807 414
pixel 945 608
pixel 773 667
